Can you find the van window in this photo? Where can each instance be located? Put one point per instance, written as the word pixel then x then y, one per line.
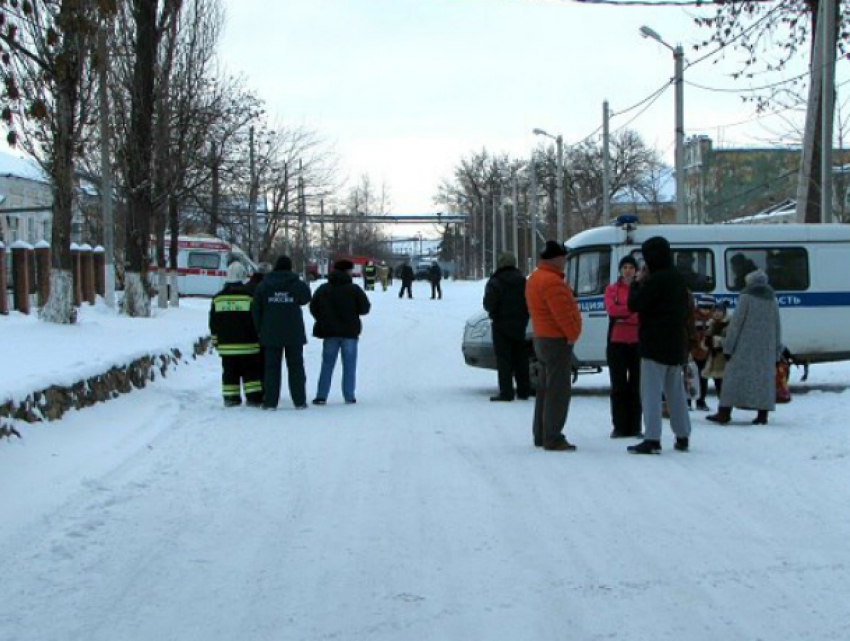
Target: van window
pixel 203 260
pixel 697 266
pixel 588 272
pixel 787 268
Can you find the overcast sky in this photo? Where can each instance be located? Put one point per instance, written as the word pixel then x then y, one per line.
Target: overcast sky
pixel 405 88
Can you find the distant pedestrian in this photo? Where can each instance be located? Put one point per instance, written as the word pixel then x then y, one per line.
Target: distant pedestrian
pixel 435 275
pixel 235 338
pixel 622 354
pixel 662 301
pixel 504 300
pixel 703 306
pixel 407 278
pixel 384 275
pixel 752 347
pixel 556 323
pixel 337 307
pixel 280 324
pixel 370 275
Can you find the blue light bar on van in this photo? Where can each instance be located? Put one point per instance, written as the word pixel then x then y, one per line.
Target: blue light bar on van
pixel 626 220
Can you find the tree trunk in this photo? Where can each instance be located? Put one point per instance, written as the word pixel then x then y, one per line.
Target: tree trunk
pixel 140 205
pixel 60 304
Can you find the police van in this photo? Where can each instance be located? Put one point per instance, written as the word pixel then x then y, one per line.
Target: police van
pixel 807 265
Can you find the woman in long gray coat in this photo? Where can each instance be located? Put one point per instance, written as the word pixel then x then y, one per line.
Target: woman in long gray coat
pixel 752 346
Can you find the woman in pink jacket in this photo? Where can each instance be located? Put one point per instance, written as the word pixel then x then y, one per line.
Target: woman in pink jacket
pixel 622 354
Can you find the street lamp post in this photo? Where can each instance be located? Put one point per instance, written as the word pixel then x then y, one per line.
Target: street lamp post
pixel 559 142
pixel 678 58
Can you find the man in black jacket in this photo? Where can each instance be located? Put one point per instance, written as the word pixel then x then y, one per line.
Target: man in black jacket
pixel 407 278
pixel 337 308
pixel 435 275
pixel 280 324
pixel 235 338
pixel 504 300
pixel 661 299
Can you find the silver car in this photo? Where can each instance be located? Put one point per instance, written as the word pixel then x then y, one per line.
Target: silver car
pixel 477 347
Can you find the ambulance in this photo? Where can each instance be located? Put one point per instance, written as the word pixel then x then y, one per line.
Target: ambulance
pixel 202 263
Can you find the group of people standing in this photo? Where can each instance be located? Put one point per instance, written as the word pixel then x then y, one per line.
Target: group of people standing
pixel 255 326
pixel 653 332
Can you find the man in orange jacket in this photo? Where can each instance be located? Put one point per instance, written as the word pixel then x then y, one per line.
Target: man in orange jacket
pixel 557 325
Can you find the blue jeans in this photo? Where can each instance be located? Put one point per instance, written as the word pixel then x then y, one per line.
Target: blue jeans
pixel 330 349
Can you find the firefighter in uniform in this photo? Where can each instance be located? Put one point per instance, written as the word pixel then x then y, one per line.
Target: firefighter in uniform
pixel 235 338
pixel 370 275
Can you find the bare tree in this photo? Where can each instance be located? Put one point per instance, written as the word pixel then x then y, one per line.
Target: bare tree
pixel 47 49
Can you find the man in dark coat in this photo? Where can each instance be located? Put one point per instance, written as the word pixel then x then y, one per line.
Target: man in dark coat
pixel 407 278
pixel 661 299
pixel 280 324
pixel 504 300
pixel 235 338
pixel 435 275
pixel 337 307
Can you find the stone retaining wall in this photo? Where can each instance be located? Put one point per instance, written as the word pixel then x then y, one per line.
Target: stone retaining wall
pixel 51 403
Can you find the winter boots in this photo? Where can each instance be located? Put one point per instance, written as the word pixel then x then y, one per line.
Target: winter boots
pixel 723 416
pixel 645 447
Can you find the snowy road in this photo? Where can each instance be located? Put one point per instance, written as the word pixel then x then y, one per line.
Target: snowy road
pixel 423 512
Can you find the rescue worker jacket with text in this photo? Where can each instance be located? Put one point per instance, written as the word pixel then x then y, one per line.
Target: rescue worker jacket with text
pixel 231 322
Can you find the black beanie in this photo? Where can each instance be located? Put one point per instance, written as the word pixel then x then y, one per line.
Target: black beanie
pixel 627 260
pixel 283 264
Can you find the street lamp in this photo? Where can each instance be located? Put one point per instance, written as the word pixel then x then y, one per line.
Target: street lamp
pixel 678 57
pixel 559 141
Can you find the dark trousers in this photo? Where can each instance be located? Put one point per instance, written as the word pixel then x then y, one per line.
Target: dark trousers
pixel 436 291
pixel 238 372
pixel 297 378
pixel 554 389
pixel 512 363
pixel 408 287
pixel 624 374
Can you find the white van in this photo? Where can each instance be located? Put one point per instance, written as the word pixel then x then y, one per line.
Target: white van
pixel 807 265
pixel 202 263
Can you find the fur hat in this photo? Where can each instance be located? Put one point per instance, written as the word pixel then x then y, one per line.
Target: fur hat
pixel 553 249
pixel 235 273
pixel 757 277
pixel 506 259
pixel 627 260
pixel 283 264
pixel 343 265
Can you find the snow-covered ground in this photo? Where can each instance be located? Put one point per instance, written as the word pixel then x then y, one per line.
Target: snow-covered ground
pixel 422 512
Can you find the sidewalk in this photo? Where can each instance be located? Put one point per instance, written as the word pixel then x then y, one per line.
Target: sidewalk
pixel 35 355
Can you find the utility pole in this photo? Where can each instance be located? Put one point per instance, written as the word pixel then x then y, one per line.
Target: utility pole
pixel 494 247
pixel 681 212
pixel 515 229
pixel 302 217
pixel 106 172
pixel 606 164
pixel 532 214
pixel 252 198
pixel 483 239
pixel 502 219
pixel 828 110
pixel 560 182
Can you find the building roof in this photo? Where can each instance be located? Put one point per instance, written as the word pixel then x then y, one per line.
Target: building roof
pixel 18 167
